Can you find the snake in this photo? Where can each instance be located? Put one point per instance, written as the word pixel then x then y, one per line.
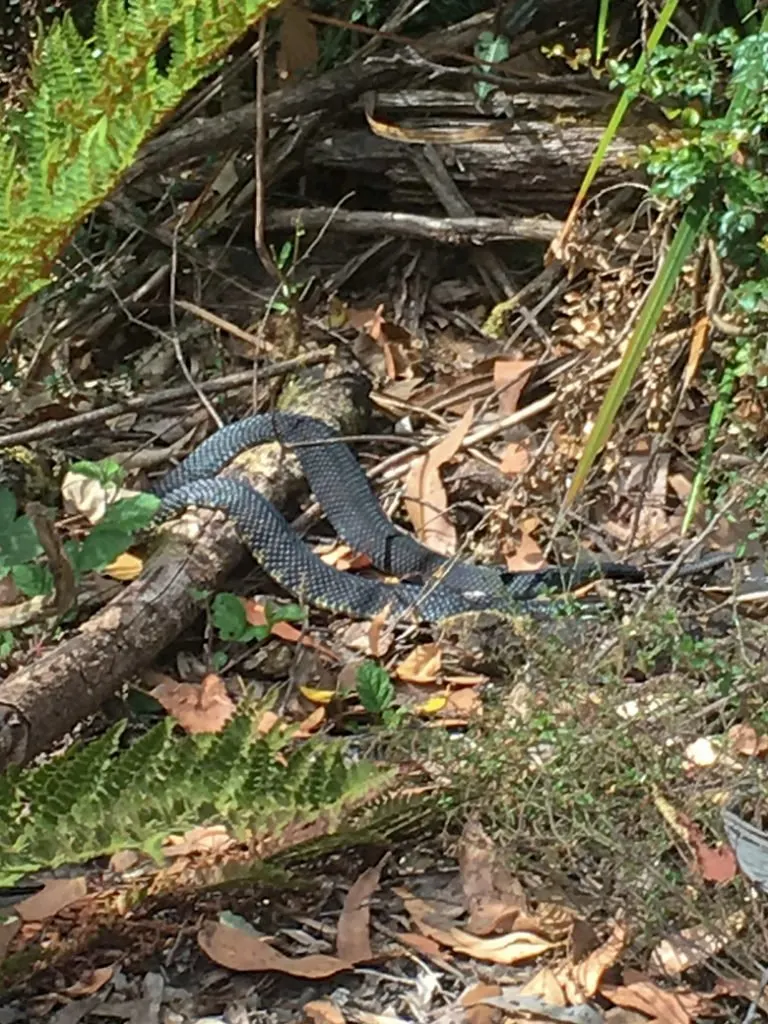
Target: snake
pixel 433 587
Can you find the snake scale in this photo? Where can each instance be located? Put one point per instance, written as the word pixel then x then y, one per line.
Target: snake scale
pixel 435 587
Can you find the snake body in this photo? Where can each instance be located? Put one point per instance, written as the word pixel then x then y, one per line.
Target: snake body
pixel 443 587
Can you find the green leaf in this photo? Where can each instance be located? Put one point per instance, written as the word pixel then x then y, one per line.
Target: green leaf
pixel 374 688
pixel 228 614
pixel 106 471
pixel 283 613
pixel 7 508
pixel 100 548
pixel 33 580
pixel 131 514
pixel 6 643
pixel 19 542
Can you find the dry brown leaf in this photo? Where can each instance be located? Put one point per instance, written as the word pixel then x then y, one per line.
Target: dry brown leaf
pixel 321 1011
pixel 476 1011
pixel 545 984
pixel 311 723
pixel 512 948
pixel 583 979
pixel 268 721
pixel 422 665
pixel 677 1006
pixel 713 863
pixel 353 942
pixel 57 894
pixel 342 556
pixel 421 943
pixel 743 739
pixel 515 460
pixel 240 950
pixel 460 706
pixel 298 40
pixel 699 339
pixel 526 556
pixel 694 946
pixel 509 378
pixel 493 895
pixel 125 567
pixel 256 615
pixel 425 498
pixel 376 633
pixel 202 839
pixel 89 983
pixel 199 709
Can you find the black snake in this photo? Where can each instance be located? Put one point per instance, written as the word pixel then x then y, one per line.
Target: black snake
pixel 435 587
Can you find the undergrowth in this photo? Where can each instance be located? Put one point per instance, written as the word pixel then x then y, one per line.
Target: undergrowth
pixel 573 772
pixel 99 798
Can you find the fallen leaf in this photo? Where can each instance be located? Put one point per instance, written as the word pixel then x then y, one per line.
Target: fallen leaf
pixel 476 1012
pixel 125 567
pixel 545 984
pixel 515 459
pixel 422 665
pixel 509 378
pixel 342 557
pixel 713 863
pixel 512 948
pixel 376 643
pixel 91 982
pixel 694 946
pixel 494 897
pixel 310 724
pixel 317 696
pixel 199 709
pixel 699 340
pixel 57 894
pixel 202 839
pixel 267 723
pixel 527 555
pixel 583 979
pixel 743 739
pixel 425 498
pixel 241 950
pixel 321 1011
pixel 669 1007
pixel 432 706
pixel 255 615
pixel 353 943
pixel 421 943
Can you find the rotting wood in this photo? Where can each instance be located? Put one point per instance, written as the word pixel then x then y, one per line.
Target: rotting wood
pixel 42 702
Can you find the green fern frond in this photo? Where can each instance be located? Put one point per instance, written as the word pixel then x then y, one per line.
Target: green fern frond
pixel 92 104
pixel 98 799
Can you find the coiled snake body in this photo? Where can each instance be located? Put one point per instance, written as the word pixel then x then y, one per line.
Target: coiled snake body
pixel 443 587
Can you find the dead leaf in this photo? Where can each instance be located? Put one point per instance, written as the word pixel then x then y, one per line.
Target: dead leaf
pixel 668 1006
pixel 298 40
pixel 545 984
pixel 321 1011
pixel 515 460
pixel 353 943
pixel 425 498
pixel 743 739
pixel 699 339
pixel 199 709
pixel 432 706
pixel 202 839
pixel 526 556
pixel 57 894
pixel 241 950
pixel 476 1011
pixel 311 723
pixel 125 567
pixel 422 665
pixel 512 948
pixel 342 556
pixel 317 696
pixel 256 615
pixel 694 946
pixel 268 721
pixel 509 378
pixel 713 863
pixel 89 983
pixel 493 895
pixel 421 943
pixel 583 979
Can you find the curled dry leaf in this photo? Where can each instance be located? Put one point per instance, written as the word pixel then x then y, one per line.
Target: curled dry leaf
pixel 494 897
pixel 545 984
pixel 422 665
pixel 89 983
pixel 512 948
pixel 353 942
pixel 473 1002
pixel 240 950
pixel 672 1006
pixel 199 709
pixel 582 980
pixel 425 498
pixel 342 556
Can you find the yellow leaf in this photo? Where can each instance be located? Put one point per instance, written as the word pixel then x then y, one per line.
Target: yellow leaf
pixel 317 696
pixel 432 706
pixel 125 567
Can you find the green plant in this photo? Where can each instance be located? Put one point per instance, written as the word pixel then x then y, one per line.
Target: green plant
pixel 91 105
pixel 231 620
pixel 377 694
pixel 98 798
